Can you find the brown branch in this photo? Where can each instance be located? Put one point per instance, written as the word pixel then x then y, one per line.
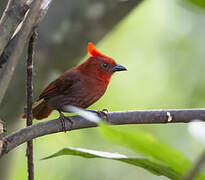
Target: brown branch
pixel 21 38
pixel 29 117
pixel 116 118
pixel 199 163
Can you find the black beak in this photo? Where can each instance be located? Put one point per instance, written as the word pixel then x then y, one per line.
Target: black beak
pixel 118 67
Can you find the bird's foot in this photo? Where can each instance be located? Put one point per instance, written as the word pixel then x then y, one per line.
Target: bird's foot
pixel 102 114
pixel 63 119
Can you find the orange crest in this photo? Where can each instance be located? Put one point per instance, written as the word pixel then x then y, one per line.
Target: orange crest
pixel 93 51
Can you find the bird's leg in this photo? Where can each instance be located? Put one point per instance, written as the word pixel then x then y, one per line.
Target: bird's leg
pixel 63 119
pixel 102 114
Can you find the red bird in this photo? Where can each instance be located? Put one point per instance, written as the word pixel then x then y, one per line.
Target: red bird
pixel 79 86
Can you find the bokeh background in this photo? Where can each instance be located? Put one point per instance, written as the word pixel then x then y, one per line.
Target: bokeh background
pixel 161 42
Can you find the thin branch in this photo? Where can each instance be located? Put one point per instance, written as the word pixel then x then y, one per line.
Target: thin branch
pixel 29 117
pixel 199 163
pixel 21 39
pixel 116 118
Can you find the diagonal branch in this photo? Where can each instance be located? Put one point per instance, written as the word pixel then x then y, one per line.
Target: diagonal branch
pixel 12 16
pixel 33 17
pixel 12 42
pixel 116 118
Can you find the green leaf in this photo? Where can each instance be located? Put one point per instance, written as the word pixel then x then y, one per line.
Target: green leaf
pixel 146 144
pixel 151 165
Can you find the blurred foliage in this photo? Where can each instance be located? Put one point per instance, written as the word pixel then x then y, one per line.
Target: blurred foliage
pixel 162 45
pixel 146 144
pixel 198 3
pixel 146 163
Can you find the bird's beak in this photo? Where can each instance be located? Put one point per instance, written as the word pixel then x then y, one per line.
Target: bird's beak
pixel 118 67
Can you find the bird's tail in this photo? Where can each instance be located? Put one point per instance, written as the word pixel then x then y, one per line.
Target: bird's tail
pixel 40 111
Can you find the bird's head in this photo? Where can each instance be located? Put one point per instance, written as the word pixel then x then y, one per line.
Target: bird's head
pixel 100 65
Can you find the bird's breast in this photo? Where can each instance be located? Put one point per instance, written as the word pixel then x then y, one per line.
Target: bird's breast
pixel 94 90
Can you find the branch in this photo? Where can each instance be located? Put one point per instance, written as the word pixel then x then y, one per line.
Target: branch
pixel 116 118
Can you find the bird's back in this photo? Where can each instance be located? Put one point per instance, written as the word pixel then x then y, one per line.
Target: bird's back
pixel 73 88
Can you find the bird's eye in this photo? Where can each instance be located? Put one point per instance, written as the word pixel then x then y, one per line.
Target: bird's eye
pixel 105 65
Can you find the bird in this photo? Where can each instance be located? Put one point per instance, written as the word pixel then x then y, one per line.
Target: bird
pixel 80 86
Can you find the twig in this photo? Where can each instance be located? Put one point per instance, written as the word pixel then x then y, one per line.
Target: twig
pixel 192 174
pixel 29 117
pixel 116 118
pixel 23 34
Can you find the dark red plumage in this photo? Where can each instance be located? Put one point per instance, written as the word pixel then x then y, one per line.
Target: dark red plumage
pixel 79 86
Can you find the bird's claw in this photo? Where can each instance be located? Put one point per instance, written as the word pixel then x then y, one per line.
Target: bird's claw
pixel 105 110
pixel 63 119
pixel 102 114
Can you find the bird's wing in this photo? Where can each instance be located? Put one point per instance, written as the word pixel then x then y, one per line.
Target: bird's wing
pixel 57 87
